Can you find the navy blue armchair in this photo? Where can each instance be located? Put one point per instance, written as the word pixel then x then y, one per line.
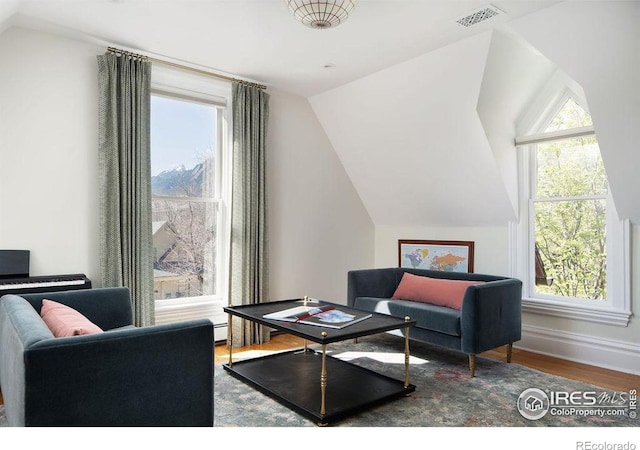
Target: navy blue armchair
pixel 127 376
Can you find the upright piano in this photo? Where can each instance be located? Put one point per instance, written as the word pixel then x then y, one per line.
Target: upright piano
pixel 15 279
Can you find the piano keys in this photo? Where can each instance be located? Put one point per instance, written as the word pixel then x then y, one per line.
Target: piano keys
pixel 15 279
pixel 32 285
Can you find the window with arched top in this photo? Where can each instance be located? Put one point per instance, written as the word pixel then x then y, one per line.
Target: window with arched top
pixel 569 247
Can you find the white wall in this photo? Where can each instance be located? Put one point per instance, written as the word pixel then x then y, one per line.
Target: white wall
pixel 48 174
pixel 48 152
pixel 514 73
pixel 412 143
pixel 598 45
pixel 491 244
pixel 319 228
pixel 7 9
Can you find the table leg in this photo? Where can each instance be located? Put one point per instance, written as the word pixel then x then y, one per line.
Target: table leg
pixel 230 338
pixel 323 378
pixel 406 353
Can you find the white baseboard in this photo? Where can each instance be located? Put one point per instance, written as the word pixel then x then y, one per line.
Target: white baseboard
pixel 595 351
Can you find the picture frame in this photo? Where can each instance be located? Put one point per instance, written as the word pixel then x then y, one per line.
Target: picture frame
pixel 449 256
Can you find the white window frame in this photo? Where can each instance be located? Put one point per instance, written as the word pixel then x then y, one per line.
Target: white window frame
pixel 616 309
pixel 191 86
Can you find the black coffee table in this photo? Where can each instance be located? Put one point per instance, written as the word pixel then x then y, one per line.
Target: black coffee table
pixel 312 383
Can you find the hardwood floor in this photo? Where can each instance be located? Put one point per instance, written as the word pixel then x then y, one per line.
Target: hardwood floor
pixel 608 379
pixel 597 376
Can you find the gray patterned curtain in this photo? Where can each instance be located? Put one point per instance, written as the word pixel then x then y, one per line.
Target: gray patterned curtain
pixel 248 280
pixel 126 245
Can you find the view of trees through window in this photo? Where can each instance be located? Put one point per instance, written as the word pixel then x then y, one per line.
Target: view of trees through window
pixel 570 210
pixel 184 198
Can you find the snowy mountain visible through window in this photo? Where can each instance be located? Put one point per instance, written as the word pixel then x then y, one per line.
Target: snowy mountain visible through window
pixel 184 197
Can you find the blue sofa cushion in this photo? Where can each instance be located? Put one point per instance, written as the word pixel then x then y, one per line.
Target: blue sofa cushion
pixel 430 317
pixel 109 307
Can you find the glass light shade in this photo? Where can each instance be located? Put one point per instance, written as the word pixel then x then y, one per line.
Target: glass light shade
pixel 321 14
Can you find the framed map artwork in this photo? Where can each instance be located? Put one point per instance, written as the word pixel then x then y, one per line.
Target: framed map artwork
pixel 449 256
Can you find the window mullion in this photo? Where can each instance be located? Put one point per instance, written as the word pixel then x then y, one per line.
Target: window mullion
pixel 568 199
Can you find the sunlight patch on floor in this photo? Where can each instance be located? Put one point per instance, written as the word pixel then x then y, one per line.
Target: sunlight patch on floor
pixel 249 354
pixel 383 357
pixel 388 358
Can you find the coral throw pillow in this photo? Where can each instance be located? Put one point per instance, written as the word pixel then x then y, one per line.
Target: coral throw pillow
pixel 65 321
pixel 437 291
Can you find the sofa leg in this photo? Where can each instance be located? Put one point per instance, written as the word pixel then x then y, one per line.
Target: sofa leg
pixel 472 364
pixel 509 351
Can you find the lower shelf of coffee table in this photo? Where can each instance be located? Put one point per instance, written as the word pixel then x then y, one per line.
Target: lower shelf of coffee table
pixel 293 379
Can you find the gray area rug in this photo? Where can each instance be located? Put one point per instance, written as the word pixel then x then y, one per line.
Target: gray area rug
pixel 445 395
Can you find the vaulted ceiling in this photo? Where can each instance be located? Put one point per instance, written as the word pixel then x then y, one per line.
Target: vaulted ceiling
pixel 420 110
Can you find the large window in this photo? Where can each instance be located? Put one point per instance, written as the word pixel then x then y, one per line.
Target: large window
pixel 190 184
pixel 570 249
pixel 569 209
pixel 183 139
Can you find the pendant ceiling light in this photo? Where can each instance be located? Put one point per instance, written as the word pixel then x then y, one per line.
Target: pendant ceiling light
pixel 321 14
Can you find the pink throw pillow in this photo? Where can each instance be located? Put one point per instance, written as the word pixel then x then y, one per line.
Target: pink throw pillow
pixel 437 291
pixel 64 321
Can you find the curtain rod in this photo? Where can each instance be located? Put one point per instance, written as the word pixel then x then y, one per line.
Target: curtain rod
pixel 180 66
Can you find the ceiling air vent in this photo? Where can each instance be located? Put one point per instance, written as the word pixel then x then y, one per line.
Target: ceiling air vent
pixel 483 14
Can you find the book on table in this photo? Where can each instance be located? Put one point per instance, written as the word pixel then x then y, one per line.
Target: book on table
pixel 322 316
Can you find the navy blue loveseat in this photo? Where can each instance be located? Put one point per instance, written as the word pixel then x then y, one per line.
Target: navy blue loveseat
pixel 490 317
pixel 127 376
